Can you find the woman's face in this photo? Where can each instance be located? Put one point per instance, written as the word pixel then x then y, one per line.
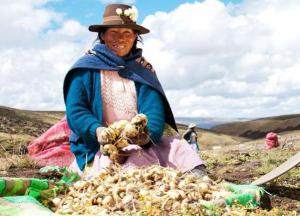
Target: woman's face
pixel 119 40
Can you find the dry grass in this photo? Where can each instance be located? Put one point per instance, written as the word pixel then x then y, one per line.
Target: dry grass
pixel 13 142
pixel 8 161
pixel 10 155
pixel 50 117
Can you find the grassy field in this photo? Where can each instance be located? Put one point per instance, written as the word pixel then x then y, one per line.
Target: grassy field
pixel 238 160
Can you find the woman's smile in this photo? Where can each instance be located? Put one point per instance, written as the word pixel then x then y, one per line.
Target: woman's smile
pixel 119 40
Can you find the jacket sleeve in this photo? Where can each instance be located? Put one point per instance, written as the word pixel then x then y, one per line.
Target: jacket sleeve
pixel 150 103
pixel 79 115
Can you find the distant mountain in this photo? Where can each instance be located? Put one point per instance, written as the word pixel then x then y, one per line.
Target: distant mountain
pixel 207 123
pixel 221 131
pixel 258 128
pixel 25 125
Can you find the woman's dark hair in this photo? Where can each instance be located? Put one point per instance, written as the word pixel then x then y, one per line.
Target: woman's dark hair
pixel 134 46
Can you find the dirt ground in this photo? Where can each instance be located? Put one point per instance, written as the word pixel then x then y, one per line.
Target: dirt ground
pixel 236 167
pixel 239 164
pixel 244 167
pixel 282 197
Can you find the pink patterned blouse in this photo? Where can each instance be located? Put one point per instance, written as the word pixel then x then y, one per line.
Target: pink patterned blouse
pixel 118 97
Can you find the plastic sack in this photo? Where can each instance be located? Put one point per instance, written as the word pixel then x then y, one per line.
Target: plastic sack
pixel 23 206
pixel 68 176
pixel 38 188
pixel 21 186
pixel 246 195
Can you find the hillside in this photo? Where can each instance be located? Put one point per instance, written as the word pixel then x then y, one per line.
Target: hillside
pixel 238 160
pixel 208 139
pixel 24 125
pixel 19 127
pixel 258 128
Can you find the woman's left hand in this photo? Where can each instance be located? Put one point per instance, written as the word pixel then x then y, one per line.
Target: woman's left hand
pixel 141 139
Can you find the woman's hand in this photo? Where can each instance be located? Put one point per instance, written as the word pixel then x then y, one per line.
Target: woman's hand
pixel 141 139
pixel 103 139
pixel 100 138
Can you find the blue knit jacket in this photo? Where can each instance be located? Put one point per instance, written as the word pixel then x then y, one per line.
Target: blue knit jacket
pixel 82 94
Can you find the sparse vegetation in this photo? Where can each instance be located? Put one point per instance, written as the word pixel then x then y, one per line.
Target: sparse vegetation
pixel 239 160
pixel 243 168
pixel 10 161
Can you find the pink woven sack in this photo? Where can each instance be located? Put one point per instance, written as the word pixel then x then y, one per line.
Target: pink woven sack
pixel 52 147
pixel 271 140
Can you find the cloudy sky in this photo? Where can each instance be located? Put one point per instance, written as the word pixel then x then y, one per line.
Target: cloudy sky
pixel 214 58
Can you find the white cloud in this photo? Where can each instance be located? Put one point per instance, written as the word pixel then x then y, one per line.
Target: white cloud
pixel 214 60
pixel 235 60
pixel 22 21
pixel 33 57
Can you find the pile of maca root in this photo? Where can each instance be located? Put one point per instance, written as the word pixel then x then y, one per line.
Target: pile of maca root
pixel 153 190
pixel 150 190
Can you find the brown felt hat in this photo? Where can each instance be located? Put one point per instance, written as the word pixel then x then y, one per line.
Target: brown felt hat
pixel 119 16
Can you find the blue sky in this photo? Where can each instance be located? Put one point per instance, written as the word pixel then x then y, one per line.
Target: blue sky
pixel 236 60
pixel 90 11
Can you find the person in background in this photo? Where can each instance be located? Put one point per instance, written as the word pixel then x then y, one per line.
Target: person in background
pixel 114 82
pixel 190 135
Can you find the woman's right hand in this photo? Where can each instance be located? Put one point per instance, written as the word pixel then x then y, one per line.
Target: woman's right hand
pixel 101 140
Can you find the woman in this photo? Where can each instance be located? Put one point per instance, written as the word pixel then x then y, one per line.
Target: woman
pixel 190 135
pixel 114 82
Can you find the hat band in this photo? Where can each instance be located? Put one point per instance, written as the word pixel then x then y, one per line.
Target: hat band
pixel 115 20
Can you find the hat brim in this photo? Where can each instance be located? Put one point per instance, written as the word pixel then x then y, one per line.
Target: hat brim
pixel 101 28
pixel 192 126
